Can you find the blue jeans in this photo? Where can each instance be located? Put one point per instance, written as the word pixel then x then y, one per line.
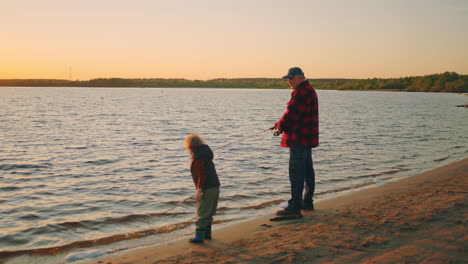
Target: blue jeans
pixel 301 169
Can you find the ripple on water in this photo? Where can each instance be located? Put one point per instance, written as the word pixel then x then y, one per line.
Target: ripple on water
pixel 29 217
pixel 101 161
pixel 7 167
pixel 9 188
pixel 72 183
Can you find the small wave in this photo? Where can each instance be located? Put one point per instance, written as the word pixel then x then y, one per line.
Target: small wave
pixel 391 172
pixel 30 217
pixel 93 224
pixel 22 166
pixel 255 207
pixel 215 222
pixel 458 147
pixel 9 188
pixel 262 181
pixel 223 209
pixel 269 193
pixel 137 218
pixel 44 193
pixel 441 159
pixel 90 243
pixel 176 202
pixel 101 161
pixel 332 180
pixel 94 242
pixel 13 240
pixel 262 205
pixel 237 197
pixel 373 175
pixel 76 147
pixel 347 188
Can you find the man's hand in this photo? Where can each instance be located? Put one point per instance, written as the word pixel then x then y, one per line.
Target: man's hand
pixel 199 194
pixel 276 127
pixel 276 130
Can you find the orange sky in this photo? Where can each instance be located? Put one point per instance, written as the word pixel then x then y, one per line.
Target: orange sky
pixel 232 38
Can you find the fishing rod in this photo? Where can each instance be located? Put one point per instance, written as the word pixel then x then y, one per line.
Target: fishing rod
pixel 179 204
pixel 260 132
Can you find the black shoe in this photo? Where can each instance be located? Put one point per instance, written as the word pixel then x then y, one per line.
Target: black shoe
pixel 208 232
pixel 289 212
pixel 199 236
pixel 308 207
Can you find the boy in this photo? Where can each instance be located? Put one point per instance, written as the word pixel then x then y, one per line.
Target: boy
pixel 207 183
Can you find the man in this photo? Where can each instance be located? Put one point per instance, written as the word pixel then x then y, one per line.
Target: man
pixel 300 128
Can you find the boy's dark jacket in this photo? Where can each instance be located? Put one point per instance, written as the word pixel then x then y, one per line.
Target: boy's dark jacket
pixel 202 168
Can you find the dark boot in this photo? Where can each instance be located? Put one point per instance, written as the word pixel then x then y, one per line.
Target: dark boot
pixel 289 212
pixel 199 236
pixel 208 232
pixel 307 206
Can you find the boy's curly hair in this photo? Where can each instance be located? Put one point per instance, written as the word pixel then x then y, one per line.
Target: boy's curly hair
pixel 193 141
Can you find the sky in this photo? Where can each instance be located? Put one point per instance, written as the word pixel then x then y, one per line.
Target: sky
pixel 207 39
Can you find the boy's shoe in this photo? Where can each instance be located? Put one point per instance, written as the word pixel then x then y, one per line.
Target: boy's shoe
pixel 199 236
pixel 208 232
pixel 293 213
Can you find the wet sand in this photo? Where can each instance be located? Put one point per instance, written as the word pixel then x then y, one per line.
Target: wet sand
pixel 420 219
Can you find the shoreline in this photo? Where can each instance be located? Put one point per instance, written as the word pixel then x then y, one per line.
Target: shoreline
pixel 263 241
pixel 152 237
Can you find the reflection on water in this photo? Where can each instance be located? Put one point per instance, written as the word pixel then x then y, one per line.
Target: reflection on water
pixel 87 164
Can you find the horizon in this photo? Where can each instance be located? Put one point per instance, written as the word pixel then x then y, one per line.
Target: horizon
pixel 315 78
pixel 209 39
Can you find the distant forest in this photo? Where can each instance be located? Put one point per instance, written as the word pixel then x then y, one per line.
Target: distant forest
pixel 446 82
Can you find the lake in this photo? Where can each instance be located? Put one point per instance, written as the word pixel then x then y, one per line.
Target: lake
pixel 90 166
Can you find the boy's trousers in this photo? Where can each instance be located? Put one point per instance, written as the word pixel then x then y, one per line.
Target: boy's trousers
pixel 206 207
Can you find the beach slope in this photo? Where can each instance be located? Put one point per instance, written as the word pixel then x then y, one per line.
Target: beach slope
pixel 419 219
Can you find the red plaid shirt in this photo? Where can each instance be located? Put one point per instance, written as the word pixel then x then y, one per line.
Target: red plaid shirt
pixel 300 122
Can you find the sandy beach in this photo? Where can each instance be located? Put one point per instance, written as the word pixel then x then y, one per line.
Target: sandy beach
pixel 420 219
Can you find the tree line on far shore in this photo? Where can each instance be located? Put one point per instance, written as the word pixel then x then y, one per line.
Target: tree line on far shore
pixel 450 82
pixel 445 82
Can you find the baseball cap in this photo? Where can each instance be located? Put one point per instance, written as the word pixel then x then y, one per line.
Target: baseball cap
pixel 295 71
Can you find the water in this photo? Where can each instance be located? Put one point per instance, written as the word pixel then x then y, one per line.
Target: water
pixel 91 166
